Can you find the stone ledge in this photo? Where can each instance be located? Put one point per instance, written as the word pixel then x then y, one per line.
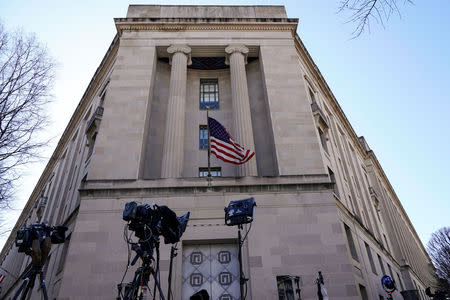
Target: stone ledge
pixel 201 182
pixel 174 187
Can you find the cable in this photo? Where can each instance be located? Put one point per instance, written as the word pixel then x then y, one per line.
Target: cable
pixel 127 240
pixel 250 227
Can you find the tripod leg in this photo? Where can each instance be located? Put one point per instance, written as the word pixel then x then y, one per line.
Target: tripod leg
pixel 43 287
pixel 130 293
pixel 161 295
pixel 24 282
pixel 29 287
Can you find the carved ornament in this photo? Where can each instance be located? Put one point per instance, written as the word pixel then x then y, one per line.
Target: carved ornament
pixel 239 48
pixel 185 49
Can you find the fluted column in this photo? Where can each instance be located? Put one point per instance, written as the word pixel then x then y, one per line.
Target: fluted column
pixel 243 131
pixel 173 155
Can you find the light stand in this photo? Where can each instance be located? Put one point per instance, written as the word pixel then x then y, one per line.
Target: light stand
pixel 238 213
pixel 173 253
pixel 242 279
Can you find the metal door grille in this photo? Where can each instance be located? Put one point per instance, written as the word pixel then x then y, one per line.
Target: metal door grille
pixel 213 267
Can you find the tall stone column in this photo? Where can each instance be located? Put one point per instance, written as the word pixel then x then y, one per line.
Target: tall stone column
pixel 173 155
pixel 243 131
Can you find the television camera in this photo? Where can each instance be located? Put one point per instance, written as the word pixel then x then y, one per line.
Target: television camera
pixel 36 241
pixel 26 235
pixel 149 222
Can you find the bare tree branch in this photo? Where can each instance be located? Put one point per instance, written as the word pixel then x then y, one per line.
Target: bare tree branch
pixel 26 75
pixel 363 12
pixel 439 250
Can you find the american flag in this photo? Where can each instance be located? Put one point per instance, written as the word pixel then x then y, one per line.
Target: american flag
pixel 224 147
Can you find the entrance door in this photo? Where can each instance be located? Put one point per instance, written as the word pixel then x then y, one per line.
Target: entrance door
pixel 213 267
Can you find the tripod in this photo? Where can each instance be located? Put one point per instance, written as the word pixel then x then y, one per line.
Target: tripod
pixel 28 283
pixel 136 289
pixel 40 248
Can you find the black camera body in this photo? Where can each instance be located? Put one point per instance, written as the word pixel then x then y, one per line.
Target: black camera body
pixel 147 221
pixel 26 235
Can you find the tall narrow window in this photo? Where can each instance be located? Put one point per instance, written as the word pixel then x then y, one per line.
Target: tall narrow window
pixel 62 259
pixel 203 137
pixel 342 168
pixel 311 95
pixel 363 291
pixel 386 241
pixel 209 93
pixel 333 180
pixel 288 287
pixel 323 140
pixel 381 265
pixel 369 254
pixel 91 143
pixel 351 243
pixel 215 172
pixel 390 271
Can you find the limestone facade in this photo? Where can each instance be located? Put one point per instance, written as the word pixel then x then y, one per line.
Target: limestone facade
pixel 323 200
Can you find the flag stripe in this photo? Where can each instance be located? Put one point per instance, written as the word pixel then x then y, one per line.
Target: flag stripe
pixel 224 158
pixel 225 152
pixel 224 147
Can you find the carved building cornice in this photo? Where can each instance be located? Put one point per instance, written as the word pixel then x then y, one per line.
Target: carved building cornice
pixel 206 24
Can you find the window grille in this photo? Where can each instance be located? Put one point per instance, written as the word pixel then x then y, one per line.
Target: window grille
pixel 209 93
pixel 215 172
pixel 288 287
pixel 203 137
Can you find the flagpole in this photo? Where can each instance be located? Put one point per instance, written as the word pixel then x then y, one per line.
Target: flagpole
pixel 209 147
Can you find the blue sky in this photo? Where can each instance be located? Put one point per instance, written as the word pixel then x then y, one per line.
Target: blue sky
pixel 393 84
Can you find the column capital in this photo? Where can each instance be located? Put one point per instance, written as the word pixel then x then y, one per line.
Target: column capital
pixel 182 48
pixel 239 48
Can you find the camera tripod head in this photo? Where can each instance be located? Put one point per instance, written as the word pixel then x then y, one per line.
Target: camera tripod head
pixel 142 252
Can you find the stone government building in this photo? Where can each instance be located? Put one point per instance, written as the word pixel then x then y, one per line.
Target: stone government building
pixel 138 134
